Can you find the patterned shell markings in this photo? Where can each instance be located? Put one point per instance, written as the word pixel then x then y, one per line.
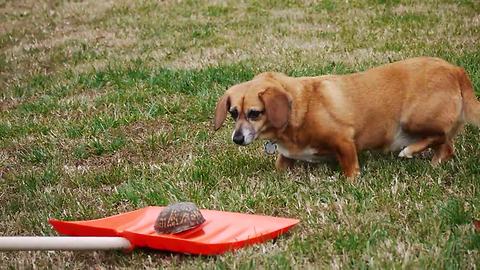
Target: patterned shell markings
pixel 178 217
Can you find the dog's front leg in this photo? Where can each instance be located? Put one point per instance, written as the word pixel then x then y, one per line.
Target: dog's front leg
pixel 347 157
pixel 283 162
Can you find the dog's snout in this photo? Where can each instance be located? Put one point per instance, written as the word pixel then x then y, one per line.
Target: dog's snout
pixel 238 138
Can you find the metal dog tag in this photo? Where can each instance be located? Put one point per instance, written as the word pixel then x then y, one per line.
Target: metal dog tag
pixel 270 147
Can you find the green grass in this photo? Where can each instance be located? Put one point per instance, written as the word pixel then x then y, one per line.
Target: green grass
pixel 107 107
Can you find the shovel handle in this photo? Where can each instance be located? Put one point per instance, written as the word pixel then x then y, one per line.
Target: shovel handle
pixel 63 243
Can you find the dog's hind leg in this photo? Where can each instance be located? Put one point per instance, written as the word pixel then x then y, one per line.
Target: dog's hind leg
pixel 433 132
pixel 283 162
pixel 443 152
pixel 421 145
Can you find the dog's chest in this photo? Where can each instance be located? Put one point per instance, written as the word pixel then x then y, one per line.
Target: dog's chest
pixel 306 154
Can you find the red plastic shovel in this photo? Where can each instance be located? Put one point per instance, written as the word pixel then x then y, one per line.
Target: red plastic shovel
pixel 221 232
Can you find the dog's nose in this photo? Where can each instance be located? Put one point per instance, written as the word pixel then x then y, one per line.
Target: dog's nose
pixel 238 138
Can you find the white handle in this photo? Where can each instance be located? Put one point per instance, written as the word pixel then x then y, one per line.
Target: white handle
pixel 63 243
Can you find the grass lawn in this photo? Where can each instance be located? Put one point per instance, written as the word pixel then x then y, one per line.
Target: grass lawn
pixel 106 107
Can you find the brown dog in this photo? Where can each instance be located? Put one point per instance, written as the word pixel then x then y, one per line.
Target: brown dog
pixel 409 105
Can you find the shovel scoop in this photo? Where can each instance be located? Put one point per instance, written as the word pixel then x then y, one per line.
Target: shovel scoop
pixel 221 232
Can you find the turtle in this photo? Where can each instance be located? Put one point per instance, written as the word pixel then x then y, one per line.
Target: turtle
pixel 178 217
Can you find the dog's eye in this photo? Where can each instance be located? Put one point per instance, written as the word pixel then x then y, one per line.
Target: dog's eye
pixel 254 114
pixel 234 113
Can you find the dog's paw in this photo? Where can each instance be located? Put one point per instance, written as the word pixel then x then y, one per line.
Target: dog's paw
pixel 352 178
pixel 405 153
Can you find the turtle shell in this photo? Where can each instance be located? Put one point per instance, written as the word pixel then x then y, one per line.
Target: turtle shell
pixel 178 217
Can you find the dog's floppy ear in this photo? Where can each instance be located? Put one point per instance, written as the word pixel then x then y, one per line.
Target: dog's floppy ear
pixel 277 106
pixel 221 111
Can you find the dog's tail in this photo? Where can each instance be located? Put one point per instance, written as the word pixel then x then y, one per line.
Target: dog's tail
pixel 470 103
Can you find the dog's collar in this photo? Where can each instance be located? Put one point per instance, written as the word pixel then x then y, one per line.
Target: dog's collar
pixel 270 147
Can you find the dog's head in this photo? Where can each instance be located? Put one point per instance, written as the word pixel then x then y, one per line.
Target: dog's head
pixel 256 106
